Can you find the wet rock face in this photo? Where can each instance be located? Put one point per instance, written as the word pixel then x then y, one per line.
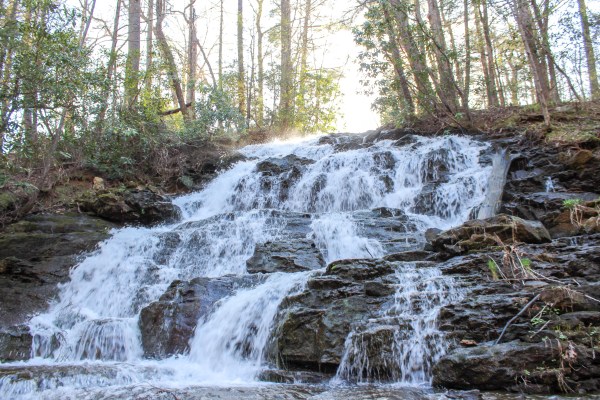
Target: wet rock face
pixel 277 176
pixel 550 347
pixel 390 227
pixel 480 234
pixel 299 255
pixel 137 206
pixel 518 366
pixel 541 178
pixel 36 254
pixel 402 136
pixel 313 325
pixel 277 166
pixel 168 324
pixel 15 344
pixel 343 142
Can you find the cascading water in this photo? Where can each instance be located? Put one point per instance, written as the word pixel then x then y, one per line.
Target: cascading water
pixel 410 325
pixel 91 333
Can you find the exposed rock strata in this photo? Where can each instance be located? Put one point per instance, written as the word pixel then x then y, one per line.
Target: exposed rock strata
pixel 131 206
pixel 36 254
pixel 495 231
pixel 551 346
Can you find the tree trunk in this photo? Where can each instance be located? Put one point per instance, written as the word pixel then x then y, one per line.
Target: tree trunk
pixel 304 58
pixel 487 59
pixel 447 90
pixel 241 79
pixel 514 85
pixel 286 106
pixel 208 65
pixel 396 59
pixel 416 56
pixel 467 81
pixel 132 71
pixel 149 45
pixel 589 51
pixel 260 108
pixel 6 68
pixel 192 60
pixel 29 94
pixel 112 59
pixel 526 27
pixel 482 56
pixel 220 64
pixel 170 61
pixel 250 83
pixel 542 18
pixel 457 65
pixel 489 53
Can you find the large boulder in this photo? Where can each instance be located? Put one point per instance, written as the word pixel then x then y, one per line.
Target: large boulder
pixel 549 208
pixel 344 142
pixel 515 366
pixel 137 206
pixel 36 254
pixel 391 133
pixel 314 325
pixel 168 324
pixel 495 231
pixel 288 256
pixel 277 166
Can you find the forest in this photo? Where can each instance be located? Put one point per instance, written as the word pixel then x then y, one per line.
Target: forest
pixel 120 95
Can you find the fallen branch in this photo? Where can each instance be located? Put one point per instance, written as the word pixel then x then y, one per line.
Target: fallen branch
pixel 537 296
pixel 174 111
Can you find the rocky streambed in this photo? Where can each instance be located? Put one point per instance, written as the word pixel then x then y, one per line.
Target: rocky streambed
pixel 508 303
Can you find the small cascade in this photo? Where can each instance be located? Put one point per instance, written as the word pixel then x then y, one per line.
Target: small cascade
pixel 234 337
pixel 337 237
pixel 341 197
pixel 496 181
pixel 549 185
pixel 403 344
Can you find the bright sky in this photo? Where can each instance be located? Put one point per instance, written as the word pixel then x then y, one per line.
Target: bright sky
pixel 339 49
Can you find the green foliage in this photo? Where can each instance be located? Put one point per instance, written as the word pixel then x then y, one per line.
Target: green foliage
pixel 544 315
pixel 316 108
pixel 375 64
pixel 571 203
pixel 52 77
pixel 494 269
pixel 215 113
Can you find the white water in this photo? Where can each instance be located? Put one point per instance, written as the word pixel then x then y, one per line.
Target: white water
pixel 411 320
pixel 94 321
pixel 549 185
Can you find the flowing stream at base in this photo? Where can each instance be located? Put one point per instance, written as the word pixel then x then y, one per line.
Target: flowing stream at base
pixel 90 337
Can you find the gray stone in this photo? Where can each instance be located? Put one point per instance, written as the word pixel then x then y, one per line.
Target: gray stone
pixel 292 256
pixel 15 344
pixel 168 324
pixel 36 254
pixel 495 231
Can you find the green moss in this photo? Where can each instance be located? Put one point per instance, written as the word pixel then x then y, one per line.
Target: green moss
pixel 7 201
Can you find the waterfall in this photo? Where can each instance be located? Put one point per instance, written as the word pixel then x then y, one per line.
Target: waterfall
pixel 409 325
pixel 317 189
pixel 549 185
